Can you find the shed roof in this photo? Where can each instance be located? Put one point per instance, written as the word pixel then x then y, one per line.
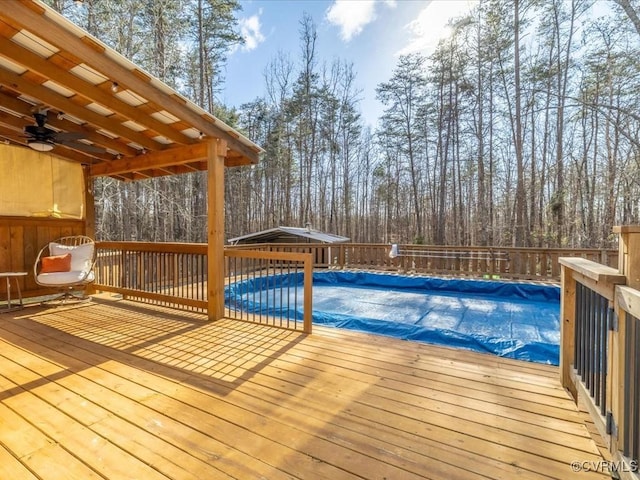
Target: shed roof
pixel 132 125
pixel 288 233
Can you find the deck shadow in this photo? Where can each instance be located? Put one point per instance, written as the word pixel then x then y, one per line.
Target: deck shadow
pixel 216 356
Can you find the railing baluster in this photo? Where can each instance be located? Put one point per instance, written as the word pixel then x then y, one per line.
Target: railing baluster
pixel 281 298
pixel 289 295
pixel 634 423
pixel 579 316
pixel 295 292
pixel 240 266
pixel 604 331
pixel 595 345
pixel 590 342
pixel 585 339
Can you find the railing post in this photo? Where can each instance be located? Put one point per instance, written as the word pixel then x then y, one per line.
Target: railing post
pixel 616 377
pixel 629 253
pixel 308 293
pixel 625 348
pixel 567 328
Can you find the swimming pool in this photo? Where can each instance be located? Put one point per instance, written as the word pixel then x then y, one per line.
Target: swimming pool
pixel 510 319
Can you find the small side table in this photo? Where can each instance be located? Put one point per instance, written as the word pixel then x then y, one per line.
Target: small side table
pixel 8 276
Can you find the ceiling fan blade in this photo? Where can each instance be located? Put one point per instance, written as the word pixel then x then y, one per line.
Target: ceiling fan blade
pixel 36 130
pixel 83 146
pixel 63 137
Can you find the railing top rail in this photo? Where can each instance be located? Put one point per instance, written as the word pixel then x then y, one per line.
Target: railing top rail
pixel 429 246
pixel 292 256
pixel 629 300
pixel 452 251
pixel 168 247
pixel 593 270
pixel 626 229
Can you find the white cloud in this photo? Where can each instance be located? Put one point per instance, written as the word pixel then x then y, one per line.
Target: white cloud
pixel 353 15
pixel 250 29
pixel 431 24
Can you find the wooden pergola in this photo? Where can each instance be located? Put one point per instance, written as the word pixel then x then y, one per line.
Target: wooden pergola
pixel 123 122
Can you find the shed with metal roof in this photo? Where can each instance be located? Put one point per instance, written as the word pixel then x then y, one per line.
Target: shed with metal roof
pixel 288 235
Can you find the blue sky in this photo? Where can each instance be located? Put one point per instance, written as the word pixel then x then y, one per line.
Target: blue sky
pixel 371 34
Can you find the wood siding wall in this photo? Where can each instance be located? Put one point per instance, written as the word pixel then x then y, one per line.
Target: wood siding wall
pixel 21 238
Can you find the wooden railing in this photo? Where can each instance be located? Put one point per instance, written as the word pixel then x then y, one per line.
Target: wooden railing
pixel 488 262
pixel 273 288
pixel 600 347
pixel 175 275
pixel 169 274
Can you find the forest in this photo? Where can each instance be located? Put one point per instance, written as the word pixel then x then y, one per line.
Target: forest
pixel 521 129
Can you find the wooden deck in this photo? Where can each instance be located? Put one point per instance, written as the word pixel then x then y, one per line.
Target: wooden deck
pixel 118 390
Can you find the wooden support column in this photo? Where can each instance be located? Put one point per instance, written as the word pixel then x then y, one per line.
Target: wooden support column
pixel 89 214
pixel 215 228
pixel 89 205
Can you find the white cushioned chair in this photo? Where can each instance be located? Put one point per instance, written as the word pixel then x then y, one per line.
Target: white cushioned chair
pixel 66 264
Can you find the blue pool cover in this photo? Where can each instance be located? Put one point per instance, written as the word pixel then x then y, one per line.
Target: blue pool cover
pixel 510 319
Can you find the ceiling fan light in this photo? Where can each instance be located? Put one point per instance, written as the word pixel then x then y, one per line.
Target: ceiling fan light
pixel 41 146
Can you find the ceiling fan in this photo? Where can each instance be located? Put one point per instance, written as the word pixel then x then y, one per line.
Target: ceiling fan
pixel 43 139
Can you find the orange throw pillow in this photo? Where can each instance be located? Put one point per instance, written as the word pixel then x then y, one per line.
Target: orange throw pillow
pixel 56 263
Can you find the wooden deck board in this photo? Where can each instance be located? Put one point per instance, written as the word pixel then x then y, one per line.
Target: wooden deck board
pixel 119 390
pixel 11 467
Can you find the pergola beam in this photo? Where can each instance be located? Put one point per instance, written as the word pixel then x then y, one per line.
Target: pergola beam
pixel 152 160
